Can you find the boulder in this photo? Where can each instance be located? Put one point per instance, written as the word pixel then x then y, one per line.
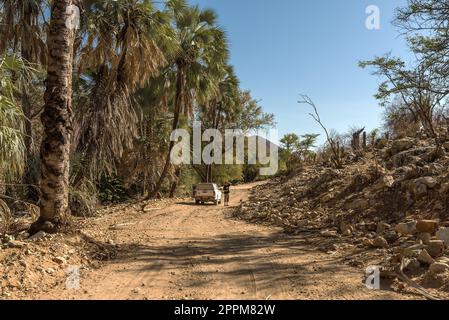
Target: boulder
pixel 425 258
pixel 435 248
pixel 346 229
pixel 383 183
pixel 391 236
pixel 358 204
pixel 427 226
pixel 382 227
pixel 16 244
pixel 401 145
pixel 413 265
pixel 412 251
pixel 443 260
pixel 446 145
pixel 420 189
pixel 429 182
pixel 406 228
pixel 438 268
pixel 38 236
pixel 444 188
pixel 443 235
pixel 435 169
pixel 327 197
pixel 380 242
pixel 367 242
pixel 59 260
pixel 425 237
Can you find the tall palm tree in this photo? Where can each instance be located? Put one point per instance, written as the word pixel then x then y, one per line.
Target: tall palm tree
pixel 203 51
pixel 22 30
pixel 128 42
pixel 57 121
pixel 12 148
pixel 222 107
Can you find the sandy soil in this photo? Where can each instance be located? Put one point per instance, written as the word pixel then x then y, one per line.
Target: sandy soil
pixel 184 251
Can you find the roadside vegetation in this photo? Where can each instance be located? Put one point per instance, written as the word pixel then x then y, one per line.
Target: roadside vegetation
pixel 94 126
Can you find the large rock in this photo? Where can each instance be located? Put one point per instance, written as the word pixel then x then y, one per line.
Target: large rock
pixel 38 236
pixel 346 229
pixel 358 204
pixel 427 226
pixel 383 183
pixel 446 145
pixel 16 244
pixel 401 145
pixel 425 258
pixel 443 234
pixel 443 260
pixel 406 228
pixel 429 182
pixel 413 265
pixel 438 268
pixel 425 237
pixel 436 169
pixel 382 227
pixel 59 260
pixel 412 251
pixel 435 248
pixel 380 242
pixel 444 188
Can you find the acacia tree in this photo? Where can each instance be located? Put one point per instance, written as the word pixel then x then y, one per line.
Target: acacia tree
pixel 57 120
pixel 421 88
pixel 290 142
pixel 426 24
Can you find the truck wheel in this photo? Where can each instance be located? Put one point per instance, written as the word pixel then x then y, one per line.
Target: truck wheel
pixel 197 201
pixel 216 202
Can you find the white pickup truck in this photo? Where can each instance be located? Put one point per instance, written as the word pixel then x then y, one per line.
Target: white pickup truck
pixel 207 192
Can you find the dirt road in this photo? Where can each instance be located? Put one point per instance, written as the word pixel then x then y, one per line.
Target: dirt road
pixel 186 251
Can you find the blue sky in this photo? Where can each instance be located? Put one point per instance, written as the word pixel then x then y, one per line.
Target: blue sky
pixel 286 47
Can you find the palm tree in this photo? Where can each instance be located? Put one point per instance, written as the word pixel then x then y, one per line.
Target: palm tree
pixel 222 107
pixel 57 121
pixel 128 42
pixel 203 51
pixel 22 29
pixel 12 148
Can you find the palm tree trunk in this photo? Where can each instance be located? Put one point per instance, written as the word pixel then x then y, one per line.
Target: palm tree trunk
pixel 57 121
pixel 177 111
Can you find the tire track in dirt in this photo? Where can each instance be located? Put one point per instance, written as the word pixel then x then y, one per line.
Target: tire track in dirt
pixel 200 252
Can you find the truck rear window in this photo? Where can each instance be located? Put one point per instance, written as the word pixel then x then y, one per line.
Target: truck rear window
pixel 205 187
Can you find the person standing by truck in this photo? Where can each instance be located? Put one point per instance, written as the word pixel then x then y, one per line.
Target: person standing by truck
pixel 226 191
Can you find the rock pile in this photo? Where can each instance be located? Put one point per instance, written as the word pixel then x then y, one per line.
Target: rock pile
pixel 394 199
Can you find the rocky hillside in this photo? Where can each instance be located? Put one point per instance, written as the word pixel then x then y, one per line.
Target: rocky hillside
pixel 392 203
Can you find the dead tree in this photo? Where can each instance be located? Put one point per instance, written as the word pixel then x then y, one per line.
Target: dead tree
pixel 336 158
pixel 355 143
pixel 364 142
